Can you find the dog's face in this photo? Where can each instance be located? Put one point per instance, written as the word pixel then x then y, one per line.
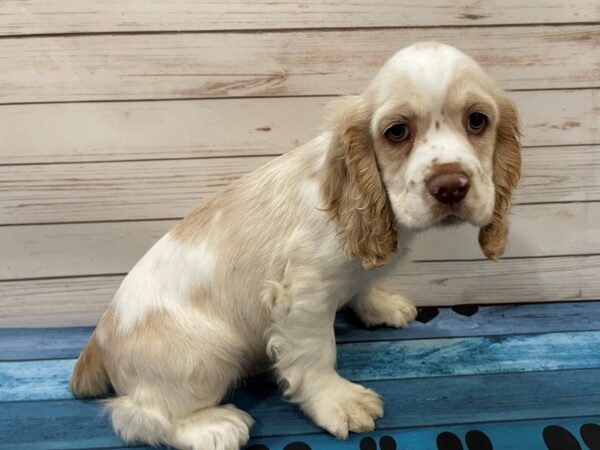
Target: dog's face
pixel 443 140
pixel 434 129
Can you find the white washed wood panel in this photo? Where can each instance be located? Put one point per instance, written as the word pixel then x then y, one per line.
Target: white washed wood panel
pixel 56 302
pixel 18 17
pixel 560 174
pixel 81 301
pixel 162 129
pixel 133 190
pixel 114 191
pixel 34 133
pixel 103 248
pixel 198 65
pixel 76 249
pixel 507 281
pixel 557 229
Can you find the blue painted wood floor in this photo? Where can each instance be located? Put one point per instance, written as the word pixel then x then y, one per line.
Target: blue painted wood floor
pixel 521 377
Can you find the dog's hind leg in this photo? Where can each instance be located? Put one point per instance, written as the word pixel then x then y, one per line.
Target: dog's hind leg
pixel 221 427
pixel 210 425
pixel 184 417
pixel 140 417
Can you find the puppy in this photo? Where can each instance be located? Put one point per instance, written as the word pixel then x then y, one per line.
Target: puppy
pixel 255 276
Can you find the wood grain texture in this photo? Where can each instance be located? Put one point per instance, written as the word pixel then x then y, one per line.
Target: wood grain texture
pixel 202 65
pixel 52 193
pixel 170 129
pixel 20 344
pixel 114 247
pixel 70 424
pixel 74 132
pixel 56 302
pixel 359 362
pixel 535 231
pixel 508 281
pixel 18 17
pixel 492 320
pixel 81 301
pixel 503 435
pixel 114 191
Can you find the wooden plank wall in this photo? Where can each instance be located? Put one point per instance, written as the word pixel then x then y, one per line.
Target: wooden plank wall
pixel 117 118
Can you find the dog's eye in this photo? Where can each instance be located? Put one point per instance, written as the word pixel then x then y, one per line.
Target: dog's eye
pixel 477 122
pixel 397 132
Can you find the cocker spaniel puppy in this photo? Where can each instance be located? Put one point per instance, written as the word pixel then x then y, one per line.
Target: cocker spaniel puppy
pixel 254 277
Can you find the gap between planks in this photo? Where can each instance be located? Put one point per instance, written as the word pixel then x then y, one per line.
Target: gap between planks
pixel 371 361
pixel 487 320
pixel 68 16
pixel 420 402
pixel 81 301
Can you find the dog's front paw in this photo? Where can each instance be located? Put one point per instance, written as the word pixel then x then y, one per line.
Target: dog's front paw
pixel 341 406
pixel 380 308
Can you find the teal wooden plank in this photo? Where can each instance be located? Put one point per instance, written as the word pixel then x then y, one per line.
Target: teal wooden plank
pixel 469 356
pixel 487 321
pixel 42 343
pixel 35 380
pixel 417 402
pixel 53 343
pixel 522 435
pixel 44 380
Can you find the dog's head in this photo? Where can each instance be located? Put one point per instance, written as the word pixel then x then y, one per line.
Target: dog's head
pixel 432 141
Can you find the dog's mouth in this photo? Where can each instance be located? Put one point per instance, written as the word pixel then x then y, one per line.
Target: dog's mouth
pixel 450 220
pixel 448 215
pixel 439 215
pixel 458 216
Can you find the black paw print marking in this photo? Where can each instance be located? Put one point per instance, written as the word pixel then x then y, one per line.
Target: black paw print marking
pixel 590 433
pixel 448 441
pixel 555 437
pixel 465 310
pixel 385 443
pixel 297 446
pixel 424 315
pixel 475 440
pixel 559 438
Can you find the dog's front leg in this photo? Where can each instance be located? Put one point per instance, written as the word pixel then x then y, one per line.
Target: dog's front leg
pixel 302 343
pixel 377 307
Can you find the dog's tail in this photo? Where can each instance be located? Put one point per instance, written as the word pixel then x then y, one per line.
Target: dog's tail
pixel 90 378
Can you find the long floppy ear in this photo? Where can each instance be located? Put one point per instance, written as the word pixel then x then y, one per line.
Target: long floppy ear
pixel 507 171
pixel 352 188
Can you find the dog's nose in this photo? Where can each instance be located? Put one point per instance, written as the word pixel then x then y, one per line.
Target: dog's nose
pixel 449 188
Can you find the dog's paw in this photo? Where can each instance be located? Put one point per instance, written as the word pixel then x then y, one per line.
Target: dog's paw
pixel 381 308
pixel 341 407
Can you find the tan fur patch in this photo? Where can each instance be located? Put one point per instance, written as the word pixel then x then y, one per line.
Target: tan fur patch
pixel 191 227
pixel 352 188
pixel 507 171
pixel 90 378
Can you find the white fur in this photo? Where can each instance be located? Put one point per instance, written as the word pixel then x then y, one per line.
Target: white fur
pixel 219 428
pixel 430 69
pixel 429 66
pixel 377 307
pixel 163 279
pixel 263 277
